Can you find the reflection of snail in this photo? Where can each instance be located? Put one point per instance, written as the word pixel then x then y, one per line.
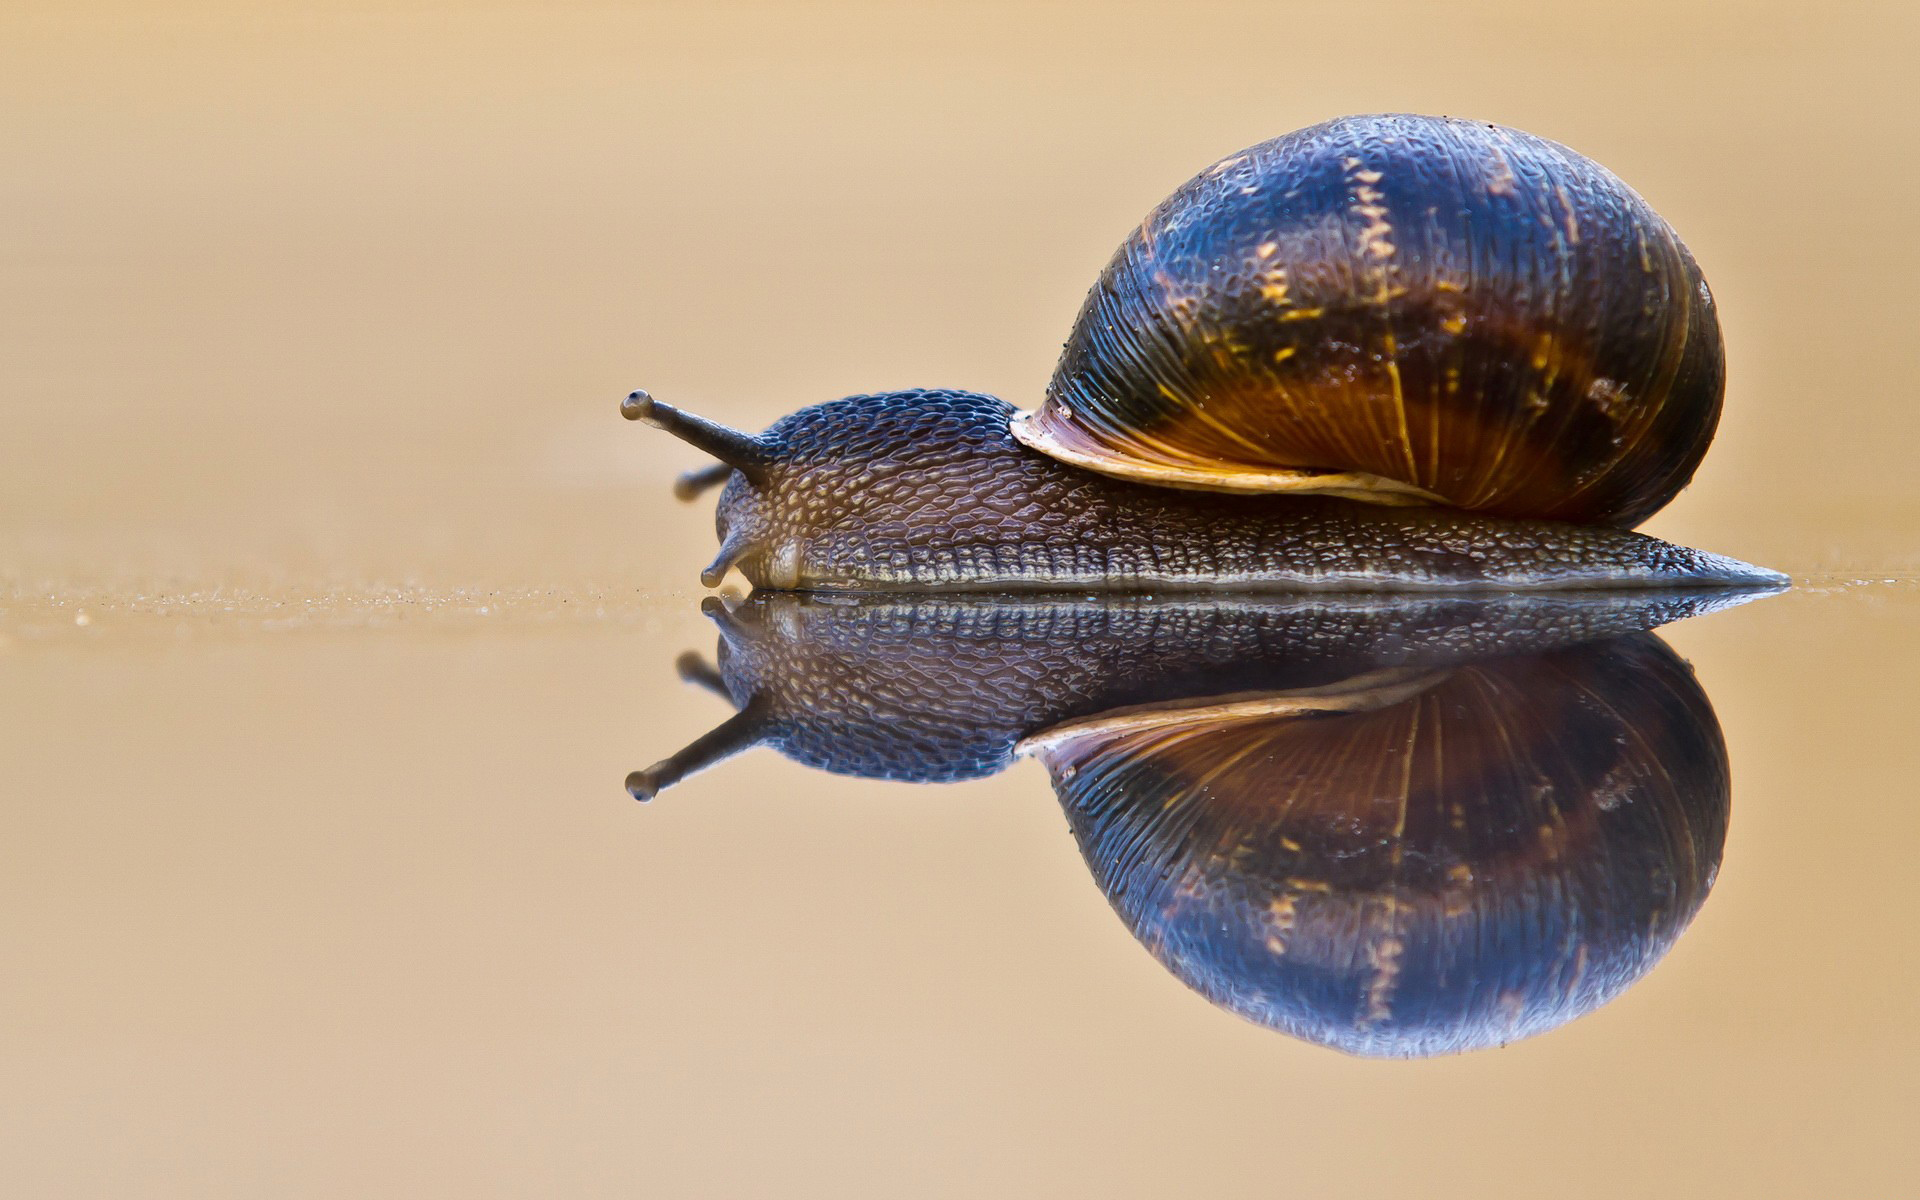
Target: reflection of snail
pixel 1392 827
pixel 1445 353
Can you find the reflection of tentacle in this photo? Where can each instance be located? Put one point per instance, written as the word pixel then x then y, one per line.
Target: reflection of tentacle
pixel 734 620
pixel 723 741
pixel 696 670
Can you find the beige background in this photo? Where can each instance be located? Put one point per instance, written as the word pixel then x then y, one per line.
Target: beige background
pixel 338 601
pixel 350 291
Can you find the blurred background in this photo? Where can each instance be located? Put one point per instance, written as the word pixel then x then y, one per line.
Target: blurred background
pixel 336 600
pixel 347 293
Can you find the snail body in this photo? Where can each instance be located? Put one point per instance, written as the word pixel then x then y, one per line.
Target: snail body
pixel 1384 352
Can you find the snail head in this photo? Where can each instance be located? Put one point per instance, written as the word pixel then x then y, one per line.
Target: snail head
pixel 840 491
pixel 749 469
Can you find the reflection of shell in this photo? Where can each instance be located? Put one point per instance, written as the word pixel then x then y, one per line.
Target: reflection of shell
pixel 1412 866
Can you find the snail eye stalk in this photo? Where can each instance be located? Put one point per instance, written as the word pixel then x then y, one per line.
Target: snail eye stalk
pixel 740 451
pixel 691 484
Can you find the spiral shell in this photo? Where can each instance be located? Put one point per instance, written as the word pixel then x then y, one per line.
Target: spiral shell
pixel 1405 309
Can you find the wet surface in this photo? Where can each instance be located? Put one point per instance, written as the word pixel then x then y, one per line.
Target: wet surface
pixel 306 893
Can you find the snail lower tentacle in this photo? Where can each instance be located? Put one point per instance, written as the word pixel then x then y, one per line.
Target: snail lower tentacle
pixel 928 490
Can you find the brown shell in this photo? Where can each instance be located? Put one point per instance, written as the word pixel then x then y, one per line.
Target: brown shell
pixel 1399 308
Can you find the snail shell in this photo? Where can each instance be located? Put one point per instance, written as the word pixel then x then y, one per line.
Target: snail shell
pixel 1412 863
pixel 1398 308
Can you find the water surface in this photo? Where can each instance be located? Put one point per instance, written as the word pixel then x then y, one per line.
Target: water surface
pixel 313 893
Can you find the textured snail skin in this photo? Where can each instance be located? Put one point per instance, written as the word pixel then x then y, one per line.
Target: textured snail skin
pixel 1504 851
pixel 1470 310
pixel 928 490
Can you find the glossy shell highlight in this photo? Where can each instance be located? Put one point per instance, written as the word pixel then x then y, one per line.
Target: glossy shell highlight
pixel 1405 309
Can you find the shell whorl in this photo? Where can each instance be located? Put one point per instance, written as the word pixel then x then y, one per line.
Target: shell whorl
pixel 1404 309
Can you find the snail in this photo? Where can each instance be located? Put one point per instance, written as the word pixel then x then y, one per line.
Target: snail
pixel 1396 827
pixel 1384 352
